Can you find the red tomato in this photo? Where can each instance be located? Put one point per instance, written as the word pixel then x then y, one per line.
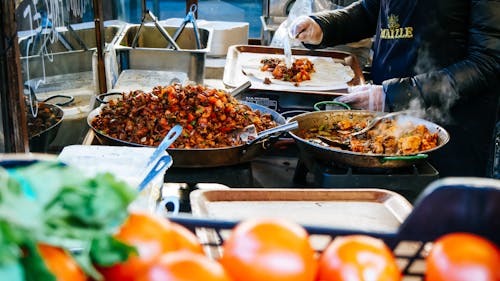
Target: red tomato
pixel 358 258
pixel 152 236
pixel 463 256
pixel 269 249
pixel 61 264
pixel 184 266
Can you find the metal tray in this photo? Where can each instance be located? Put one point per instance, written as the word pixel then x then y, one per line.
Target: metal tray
pixel 361 209
pixel 233 75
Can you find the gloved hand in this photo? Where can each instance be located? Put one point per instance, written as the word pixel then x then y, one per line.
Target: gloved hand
pixel 370 97
pixel 306 30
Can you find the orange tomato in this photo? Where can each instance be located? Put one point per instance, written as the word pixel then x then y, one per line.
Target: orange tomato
pixel 358 258
pixel 184 266
pixel 152 236
pixel 269 249
pixel 463 256
pixel 61 264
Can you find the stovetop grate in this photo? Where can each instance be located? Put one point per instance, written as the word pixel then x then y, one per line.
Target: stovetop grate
pixel 409 181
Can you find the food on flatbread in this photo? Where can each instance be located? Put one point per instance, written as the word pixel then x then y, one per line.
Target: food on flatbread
pixel 300 71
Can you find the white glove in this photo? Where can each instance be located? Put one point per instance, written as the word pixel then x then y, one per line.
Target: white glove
pixel 306 30
pixel 370 97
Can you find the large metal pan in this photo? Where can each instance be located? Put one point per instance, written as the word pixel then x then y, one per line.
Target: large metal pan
pixel 357 159
pixel 210 157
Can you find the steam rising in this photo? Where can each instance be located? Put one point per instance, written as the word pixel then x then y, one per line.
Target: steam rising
pixel 436 87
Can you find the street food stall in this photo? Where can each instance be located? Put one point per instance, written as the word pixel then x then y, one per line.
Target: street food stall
pixel 199 137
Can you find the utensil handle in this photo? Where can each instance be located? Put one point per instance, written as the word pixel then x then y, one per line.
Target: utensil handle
pixel 69 99
pixel 163 163
pixel 403 157
pixel 276 130
pixel 240 89
pixel 171 136
pixel 162 209
pixel 100 98
pixel 316 105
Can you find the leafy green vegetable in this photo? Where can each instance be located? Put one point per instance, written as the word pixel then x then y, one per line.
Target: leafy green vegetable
pixel 52 203
pixel 34 265
pixel 107 251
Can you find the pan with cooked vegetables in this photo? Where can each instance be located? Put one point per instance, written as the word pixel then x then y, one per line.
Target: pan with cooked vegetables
pixel 211 119
pixel 397 142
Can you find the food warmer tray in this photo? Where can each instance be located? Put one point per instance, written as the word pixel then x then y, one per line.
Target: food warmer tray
pixel 234 76
pixel 363 208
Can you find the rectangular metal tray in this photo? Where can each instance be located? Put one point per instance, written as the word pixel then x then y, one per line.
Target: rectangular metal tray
pixel 357 209
pixel 233 75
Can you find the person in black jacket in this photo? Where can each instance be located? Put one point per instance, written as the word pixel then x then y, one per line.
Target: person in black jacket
pixel 442 56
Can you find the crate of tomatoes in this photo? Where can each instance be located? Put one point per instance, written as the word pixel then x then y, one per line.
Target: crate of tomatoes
pixel 57 225
pixel 452 233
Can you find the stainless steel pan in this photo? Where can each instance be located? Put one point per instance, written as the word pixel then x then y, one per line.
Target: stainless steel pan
pixel 357 159
pixel 212 157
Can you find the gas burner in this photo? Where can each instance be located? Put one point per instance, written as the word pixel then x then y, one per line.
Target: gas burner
pixel 408 181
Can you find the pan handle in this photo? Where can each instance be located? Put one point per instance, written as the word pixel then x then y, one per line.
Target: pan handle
pixel 68 99
pixel 316 105
pixel 403 157
pixel 275 131
pixel 100 98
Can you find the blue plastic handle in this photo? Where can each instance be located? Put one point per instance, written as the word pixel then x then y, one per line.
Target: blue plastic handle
pixel 172 135
pixel 163 164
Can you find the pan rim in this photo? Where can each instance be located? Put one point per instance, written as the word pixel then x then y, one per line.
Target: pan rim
pixel 436 128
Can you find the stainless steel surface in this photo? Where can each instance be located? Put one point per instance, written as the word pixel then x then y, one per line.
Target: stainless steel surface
pixel 80 36
pixel 145 80
pixel 151 52
pixel 202 158
pixel 62 63
pixel 150 37
pixel 277 7
pixel 269 26
pixel 356 159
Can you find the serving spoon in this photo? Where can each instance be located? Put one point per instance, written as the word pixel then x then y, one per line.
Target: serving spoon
pixel 344 144
pixel 376 120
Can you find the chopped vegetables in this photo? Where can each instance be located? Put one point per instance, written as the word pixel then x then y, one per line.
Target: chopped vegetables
pixel 209 117
pixel 300 71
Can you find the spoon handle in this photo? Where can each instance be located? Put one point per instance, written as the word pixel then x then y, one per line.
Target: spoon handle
pixel 377 119
pixel 163 164
pixel 172 135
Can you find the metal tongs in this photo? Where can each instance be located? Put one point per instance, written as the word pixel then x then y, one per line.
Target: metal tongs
pixel 189 18
pixel 147 13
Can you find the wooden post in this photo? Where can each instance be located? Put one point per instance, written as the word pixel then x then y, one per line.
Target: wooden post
pixel 100 41
pixel 14 119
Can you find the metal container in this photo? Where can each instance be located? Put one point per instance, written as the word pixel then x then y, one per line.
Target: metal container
pixel 62 61
pixel 151 52
pixel 269 26
pixel 67 38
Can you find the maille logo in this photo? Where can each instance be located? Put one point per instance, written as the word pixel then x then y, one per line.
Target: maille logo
pixel 394 30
